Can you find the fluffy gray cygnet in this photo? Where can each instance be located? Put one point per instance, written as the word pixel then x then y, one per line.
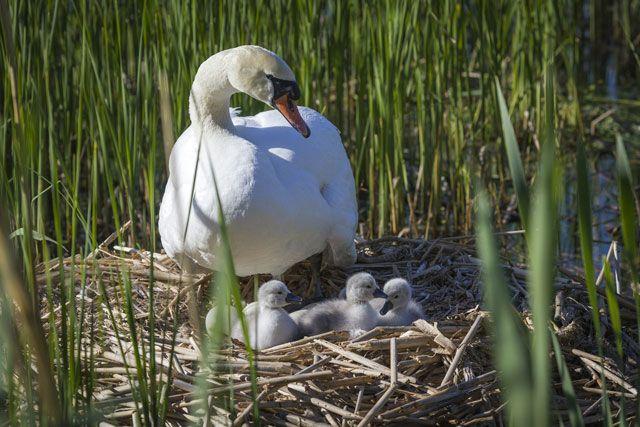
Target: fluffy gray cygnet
pixel 228 320
pixel 268 323
pixel 398 309
pixel 354 314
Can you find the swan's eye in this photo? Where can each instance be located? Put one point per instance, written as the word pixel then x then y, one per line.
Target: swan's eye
pixel 396 296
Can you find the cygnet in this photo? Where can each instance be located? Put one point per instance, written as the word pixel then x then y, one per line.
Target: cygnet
pixel 227 321
pixel 268 323
pixel 398 309
pixel 354 314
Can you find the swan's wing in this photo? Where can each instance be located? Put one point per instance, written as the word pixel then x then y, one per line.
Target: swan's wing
pixel 339 191
pixel 338 188
pixel 176 198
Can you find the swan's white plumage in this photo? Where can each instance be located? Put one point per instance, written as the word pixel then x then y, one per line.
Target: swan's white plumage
pixel 284 197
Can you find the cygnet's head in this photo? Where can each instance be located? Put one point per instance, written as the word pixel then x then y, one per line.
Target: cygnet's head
pixel 264 76
pixel 275 294
pixel 362 287
pixel 398 295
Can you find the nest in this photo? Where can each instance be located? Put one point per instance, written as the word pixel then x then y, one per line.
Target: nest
pixel 436 371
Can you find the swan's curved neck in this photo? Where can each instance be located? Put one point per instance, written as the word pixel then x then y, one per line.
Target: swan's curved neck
pixel 210 93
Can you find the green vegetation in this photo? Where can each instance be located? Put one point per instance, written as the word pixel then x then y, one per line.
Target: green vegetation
pixel 431 97
pixel 525 370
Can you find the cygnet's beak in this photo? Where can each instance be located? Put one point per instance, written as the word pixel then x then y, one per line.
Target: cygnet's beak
pixel 292 298
pixel 289 110
pixel 379 294
pixel 388 305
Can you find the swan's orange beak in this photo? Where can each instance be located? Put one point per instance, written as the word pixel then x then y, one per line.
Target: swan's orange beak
pixel 288 109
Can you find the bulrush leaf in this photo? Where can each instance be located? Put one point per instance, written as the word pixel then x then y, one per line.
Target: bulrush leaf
pixel 575 414
pixel 629 220
pixel 510 346
pixel 542 254
pixel 586 237
pixel 614 308
pixel 628 214
pixel 514 158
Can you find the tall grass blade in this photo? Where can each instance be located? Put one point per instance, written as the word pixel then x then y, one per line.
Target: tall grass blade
pixel 510 346
pixel 514 158
pixel 575 413
pixel 629 220
pixel 628 213
pixel 614 308
pixel 585 233
pixel 542 256
pixel 33 338
pixel 230 289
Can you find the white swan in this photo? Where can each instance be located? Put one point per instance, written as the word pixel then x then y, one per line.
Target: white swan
pixel 267 322
pixel 284 197
pixel 354 314
pixel 398 309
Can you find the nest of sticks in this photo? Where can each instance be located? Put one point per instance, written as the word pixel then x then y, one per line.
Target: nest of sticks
pixel 437 371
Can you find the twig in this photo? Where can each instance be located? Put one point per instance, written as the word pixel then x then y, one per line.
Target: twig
pixel 463 346
pixel 607 373
pixel 393 361
pixel 109 240
pixel 359 400
pixel 241 416
pixel 364 361
pixel 291 344
pixel 301 392
pixel 438 337
pixel 444 395
pixel 379 404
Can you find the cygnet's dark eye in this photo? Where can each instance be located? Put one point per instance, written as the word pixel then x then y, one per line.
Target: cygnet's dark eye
pixel 396 296
pixel 280 292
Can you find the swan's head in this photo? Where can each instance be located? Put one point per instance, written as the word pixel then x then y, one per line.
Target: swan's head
pixel 275 294
pixel 264 76
pixel 398 295
pixel 362 287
